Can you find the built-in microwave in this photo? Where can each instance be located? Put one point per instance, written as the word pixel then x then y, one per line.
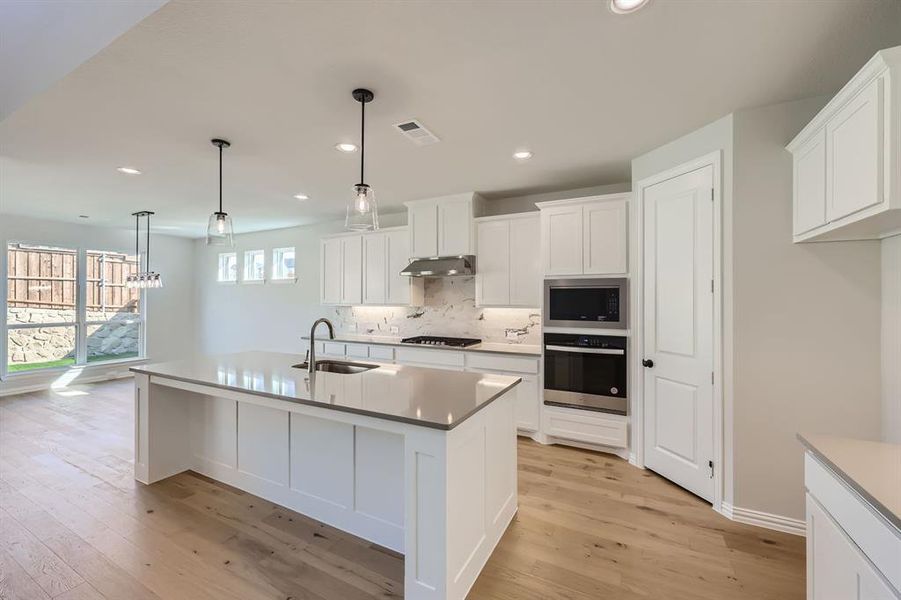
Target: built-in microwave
pixel 597 303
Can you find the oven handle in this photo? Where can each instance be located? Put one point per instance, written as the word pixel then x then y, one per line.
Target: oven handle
pixel 578 350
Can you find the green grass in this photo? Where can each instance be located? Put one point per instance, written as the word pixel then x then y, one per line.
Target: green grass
pixel 67 362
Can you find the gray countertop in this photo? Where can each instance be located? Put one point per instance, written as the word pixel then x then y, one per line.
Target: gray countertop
pixel 435 398
pixel 387 340
pixel 872 469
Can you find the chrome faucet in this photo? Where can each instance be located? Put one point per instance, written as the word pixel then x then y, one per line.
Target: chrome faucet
pixel 311 363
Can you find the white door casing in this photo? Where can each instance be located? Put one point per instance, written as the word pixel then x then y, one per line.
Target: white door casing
pixel 678 329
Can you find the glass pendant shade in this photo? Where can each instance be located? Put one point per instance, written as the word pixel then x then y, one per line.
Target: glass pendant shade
pixel 219 232
pixel 362 212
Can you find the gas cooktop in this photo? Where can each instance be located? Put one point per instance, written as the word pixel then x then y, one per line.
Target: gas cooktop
pixel 431 340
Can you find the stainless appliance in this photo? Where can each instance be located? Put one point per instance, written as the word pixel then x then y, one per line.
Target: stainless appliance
pixel 441 266
pixel 585 371
pixel 598 303
pixel 431 340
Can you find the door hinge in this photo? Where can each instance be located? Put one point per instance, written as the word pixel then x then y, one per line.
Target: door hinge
pixel 712 192
pixel 711 286
pixel 710 466
pixel 711 377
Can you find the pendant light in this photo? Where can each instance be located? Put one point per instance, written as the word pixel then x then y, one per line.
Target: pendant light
pixel 219 232
pixel 144 278
pixel 362 212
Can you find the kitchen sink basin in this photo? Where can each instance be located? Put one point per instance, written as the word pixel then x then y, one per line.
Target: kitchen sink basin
pixel 338 366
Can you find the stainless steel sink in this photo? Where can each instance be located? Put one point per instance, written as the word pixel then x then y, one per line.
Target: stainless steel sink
pixel 338 366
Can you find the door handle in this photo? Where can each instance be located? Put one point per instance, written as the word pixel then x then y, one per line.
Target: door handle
pixel 648 363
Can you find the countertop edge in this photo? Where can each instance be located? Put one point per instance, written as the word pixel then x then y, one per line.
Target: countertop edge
pixel 347 409
pixel 344 340
pixel 888 515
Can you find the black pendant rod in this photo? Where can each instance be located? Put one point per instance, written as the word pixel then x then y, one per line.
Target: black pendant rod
pixel 362 139
pixel 220 178
pixel 137 239
pixel 148 242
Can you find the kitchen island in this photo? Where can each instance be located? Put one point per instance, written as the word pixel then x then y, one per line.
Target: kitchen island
pixel 421 461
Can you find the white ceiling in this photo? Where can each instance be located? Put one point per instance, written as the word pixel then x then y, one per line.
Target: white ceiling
pixel 40 42
pixel 584 89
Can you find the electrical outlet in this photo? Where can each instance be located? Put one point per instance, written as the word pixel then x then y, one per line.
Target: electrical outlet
pixel 395 329
pixel 352 327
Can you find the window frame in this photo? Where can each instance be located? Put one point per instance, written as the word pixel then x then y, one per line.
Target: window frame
pixel 219 268
pixel 274 277
pixel 244 273
pixel 80 323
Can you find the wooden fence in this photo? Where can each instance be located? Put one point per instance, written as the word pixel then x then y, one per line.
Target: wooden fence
pixel 40 277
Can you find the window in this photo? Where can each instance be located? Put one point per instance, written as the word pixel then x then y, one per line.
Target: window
pixel 283 264
pixel 254 265
pixel 228 267
pixel 50 322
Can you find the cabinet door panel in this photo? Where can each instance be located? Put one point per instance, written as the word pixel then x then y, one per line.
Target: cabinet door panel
pixel 493 266
pixel 810 184
pixel 375 268
pixel 562 237
pixel 854 148
pixel 525 258
pixel 604 238
pixel 352 264
pixel 423 225
pixel 528 400
pixel 331 273
pixel 454 227
pixel 398 258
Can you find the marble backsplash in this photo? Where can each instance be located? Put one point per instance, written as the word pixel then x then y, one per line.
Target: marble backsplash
pixel 449 310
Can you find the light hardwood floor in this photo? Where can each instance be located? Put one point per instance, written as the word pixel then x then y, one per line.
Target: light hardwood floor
pixel 74 525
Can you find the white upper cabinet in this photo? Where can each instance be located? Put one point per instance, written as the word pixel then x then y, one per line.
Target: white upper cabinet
pixel 330 271
pixel 847 160
pixel 351 269
pixel 365 269
pixel 525 261
pixel 585 236
pixel 443 226
pixel 561 237
pixel 375 268
pixel 604 237
pixel 422 220
pixel 493 263
pixel 810 184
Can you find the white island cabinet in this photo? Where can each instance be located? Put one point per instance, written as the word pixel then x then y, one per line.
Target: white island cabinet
pixel 853 519
pixel 421 461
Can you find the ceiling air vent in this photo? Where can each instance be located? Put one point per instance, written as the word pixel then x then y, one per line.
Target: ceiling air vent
pixel 416 132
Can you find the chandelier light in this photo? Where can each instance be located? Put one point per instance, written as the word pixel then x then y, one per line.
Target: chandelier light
pixel 220 232
pixel 362 212
pixel 143 279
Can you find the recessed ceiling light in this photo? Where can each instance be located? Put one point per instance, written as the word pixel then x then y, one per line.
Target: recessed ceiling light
pixel 301 196
pixel 522 155
pixel 129 170
pixel 623 7
pixel 345 147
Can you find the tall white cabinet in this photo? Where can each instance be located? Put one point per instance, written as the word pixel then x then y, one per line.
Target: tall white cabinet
pixel 443 226
pixel 364 269
pixel 508 269
pixel 585 236
pixel 847 160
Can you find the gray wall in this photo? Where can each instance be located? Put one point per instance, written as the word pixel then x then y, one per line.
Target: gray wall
pixel 891 339
pixel 791 361
pixel 806 322
pixel 170 310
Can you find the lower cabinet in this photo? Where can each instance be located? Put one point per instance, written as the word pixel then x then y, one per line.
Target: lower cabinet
pixel 597 428
pixel 837 570
pixel 852 553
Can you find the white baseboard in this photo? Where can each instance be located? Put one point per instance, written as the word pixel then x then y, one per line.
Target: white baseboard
pixel 765 520
pixel 27 385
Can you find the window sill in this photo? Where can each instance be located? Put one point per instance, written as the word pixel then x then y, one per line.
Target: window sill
pixel 253 281
pixel 284 280
pixel 38 374
pixel 233 282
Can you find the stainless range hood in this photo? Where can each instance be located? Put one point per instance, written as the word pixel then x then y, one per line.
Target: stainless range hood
pixel 441 266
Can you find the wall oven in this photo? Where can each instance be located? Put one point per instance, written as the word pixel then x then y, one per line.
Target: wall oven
pixel 597 303
pixel 585 371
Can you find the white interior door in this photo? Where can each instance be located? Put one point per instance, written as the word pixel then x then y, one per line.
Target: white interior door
pixel 678 330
